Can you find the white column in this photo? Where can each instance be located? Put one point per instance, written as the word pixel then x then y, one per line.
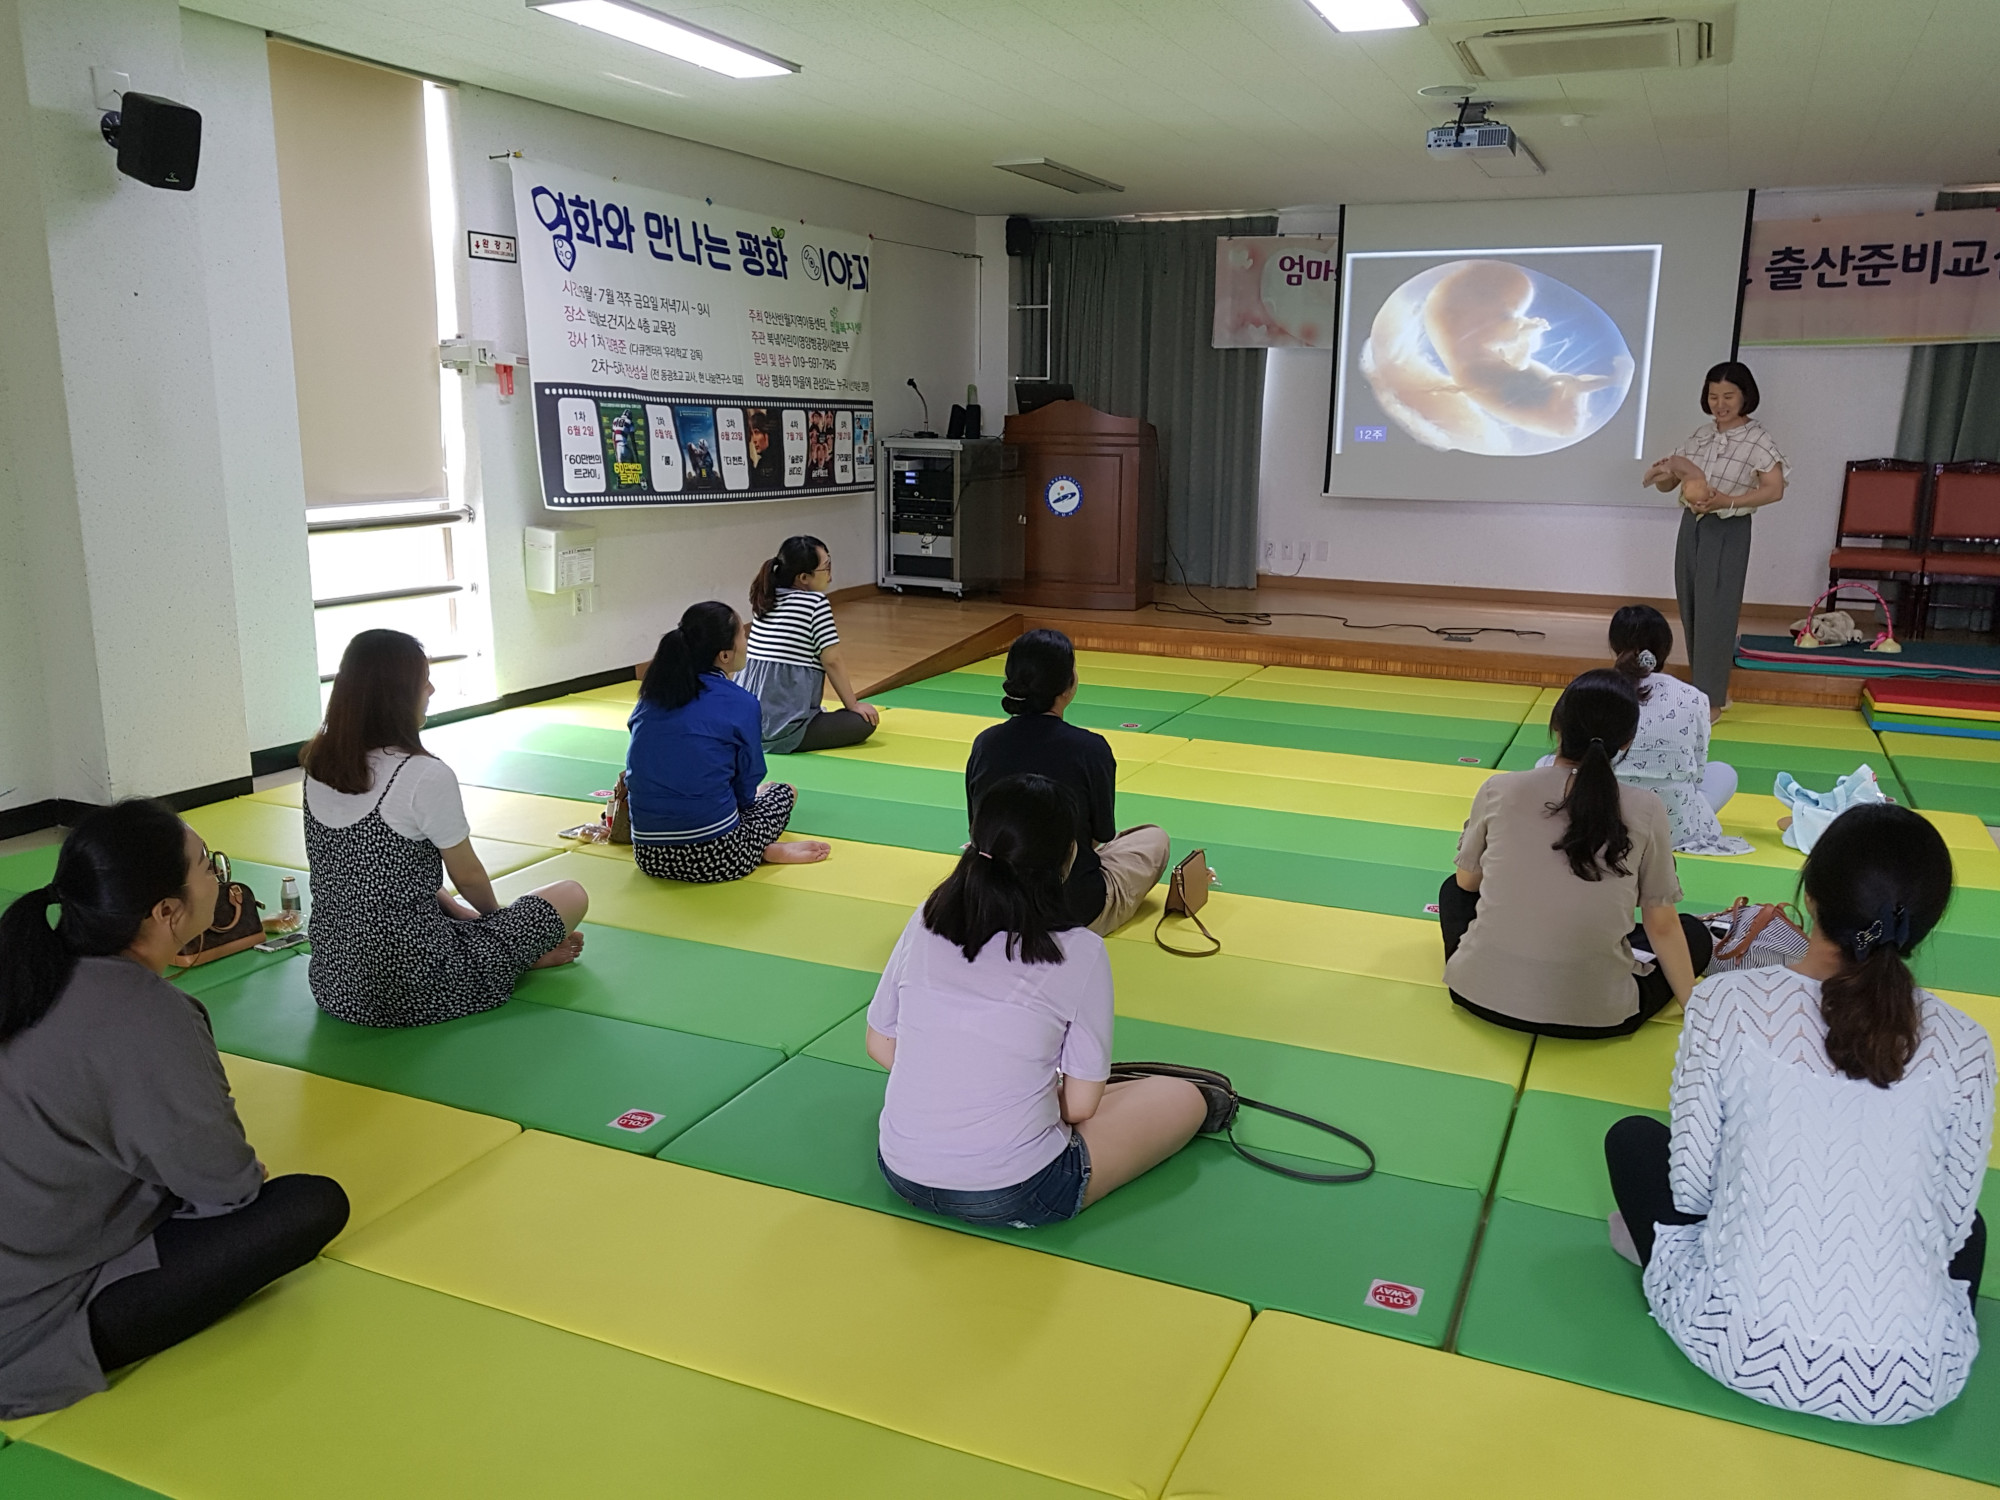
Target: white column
pixel 110 423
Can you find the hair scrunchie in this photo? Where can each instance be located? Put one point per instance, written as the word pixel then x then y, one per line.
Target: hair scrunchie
pixel 1648 662
pixel 1891 927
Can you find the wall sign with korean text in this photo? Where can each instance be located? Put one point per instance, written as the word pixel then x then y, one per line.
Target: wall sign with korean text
pixel 1904 278
pixel 687 354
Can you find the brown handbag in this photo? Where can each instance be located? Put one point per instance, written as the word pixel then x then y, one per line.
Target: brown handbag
pixel 619 813
pixel 613 825
pixel 237 926
pixel 1187 893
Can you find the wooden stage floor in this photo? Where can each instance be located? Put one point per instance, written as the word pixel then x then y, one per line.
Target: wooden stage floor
pixel 893 639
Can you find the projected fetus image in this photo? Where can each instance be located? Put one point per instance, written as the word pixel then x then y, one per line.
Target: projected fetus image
pixel 1487 357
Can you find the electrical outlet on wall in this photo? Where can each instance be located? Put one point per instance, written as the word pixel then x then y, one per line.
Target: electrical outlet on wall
pixel 1319 551
pixel 1285 553
pixel 586 599
pixel 1270 551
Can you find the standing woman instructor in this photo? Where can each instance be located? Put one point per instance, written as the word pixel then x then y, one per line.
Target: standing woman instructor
pixel 1725 471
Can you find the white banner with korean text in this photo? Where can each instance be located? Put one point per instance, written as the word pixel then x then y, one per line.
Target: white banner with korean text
pixel 1275 291
pixel 683 353
pixel 1900 278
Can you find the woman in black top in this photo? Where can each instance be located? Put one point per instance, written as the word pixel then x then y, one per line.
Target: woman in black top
pixel 133 1213
pixel 1113 870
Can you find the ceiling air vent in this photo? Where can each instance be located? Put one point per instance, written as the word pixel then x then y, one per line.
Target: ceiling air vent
pixel 1602 47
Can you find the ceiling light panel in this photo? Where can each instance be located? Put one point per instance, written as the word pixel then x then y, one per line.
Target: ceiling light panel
pixel 1369 15
pixel 1055 174
pixel 649 28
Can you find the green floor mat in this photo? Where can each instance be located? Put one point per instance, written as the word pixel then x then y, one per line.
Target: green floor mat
pixel 1208 722
pixel 31 1473
pixel 1937 770
pixel 1084 711
pixel 1817 769
pixel 503 731
pixel 983 691
pixel 1425 1125
pixel 1205 1219
pixel 544 1067
pixel 29 870
pixel 1551 1296
pixel 1555 1153
pixel 1944 796
pixel 879 820
pixel 528 771
pixel 699 988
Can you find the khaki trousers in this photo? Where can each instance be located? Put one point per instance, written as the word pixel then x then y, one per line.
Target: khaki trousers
pixel 1133 863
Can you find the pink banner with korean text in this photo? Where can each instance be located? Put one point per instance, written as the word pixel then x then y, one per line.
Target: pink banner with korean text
pixel 1900 278
pixel 1275 291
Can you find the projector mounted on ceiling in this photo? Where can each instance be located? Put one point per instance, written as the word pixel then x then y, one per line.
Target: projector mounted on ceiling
pixel 1055 174
pixel 1487 144
pixel 1595 42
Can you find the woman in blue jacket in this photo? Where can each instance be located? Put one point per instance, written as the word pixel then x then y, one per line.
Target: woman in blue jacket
pixel 696 759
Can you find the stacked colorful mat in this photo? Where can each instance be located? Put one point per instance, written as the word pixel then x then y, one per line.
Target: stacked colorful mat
pixel 626 1233
pixel 1944 738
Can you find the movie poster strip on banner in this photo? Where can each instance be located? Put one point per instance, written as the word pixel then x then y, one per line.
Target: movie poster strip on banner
pixel 683 354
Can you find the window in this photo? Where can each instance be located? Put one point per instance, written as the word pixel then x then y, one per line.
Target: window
pixel 412 564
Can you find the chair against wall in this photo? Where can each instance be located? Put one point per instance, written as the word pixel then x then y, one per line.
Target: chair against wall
pixel 1962 544
pixel 1883 501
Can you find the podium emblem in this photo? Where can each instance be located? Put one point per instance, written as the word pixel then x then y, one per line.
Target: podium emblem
pixel 1063 495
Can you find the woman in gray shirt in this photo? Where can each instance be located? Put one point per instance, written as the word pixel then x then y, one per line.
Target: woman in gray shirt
pixel 133 1212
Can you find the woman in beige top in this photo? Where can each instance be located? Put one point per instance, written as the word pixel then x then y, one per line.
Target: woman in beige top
pixel 1537 919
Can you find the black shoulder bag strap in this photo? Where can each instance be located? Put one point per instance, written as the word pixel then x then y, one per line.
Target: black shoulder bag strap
pixel 1223 1105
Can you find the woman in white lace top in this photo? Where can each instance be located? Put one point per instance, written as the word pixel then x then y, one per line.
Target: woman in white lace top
pixel 1808 1226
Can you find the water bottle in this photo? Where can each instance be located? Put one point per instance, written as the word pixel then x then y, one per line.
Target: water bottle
pixel 290 906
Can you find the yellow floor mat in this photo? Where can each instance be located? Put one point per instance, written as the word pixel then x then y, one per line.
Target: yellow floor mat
pixel 1311 1410
pixel 383 1148
pixel 946 1337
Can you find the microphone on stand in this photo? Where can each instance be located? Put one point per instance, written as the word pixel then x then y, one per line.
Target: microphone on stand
pixel 923 431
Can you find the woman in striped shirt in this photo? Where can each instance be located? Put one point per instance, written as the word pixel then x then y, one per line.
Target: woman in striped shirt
pixel 794 652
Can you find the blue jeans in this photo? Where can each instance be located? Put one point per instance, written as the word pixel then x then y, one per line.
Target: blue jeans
pixel 1053 1194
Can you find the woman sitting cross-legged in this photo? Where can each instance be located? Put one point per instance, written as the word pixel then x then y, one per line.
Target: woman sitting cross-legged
pixel 696 758
pixel 1669 752
pixel 133 1213
pixel 384 825
pixel 794 652
pixel 1807 1224
pixel 994 1020
pixel 1113 870
pixel 1537 920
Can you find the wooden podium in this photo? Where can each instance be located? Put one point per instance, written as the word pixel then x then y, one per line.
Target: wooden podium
pixel 1092 483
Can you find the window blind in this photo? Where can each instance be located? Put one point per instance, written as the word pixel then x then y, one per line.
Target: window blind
pixel 354 197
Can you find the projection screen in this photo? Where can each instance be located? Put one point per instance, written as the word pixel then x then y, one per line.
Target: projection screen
pixel 1542 351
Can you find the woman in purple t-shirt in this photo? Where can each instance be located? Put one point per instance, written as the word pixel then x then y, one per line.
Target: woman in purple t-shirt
pixel 994 1019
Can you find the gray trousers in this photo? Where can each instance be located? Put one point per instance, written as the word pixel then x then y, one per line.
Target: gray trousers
pixel 1711 558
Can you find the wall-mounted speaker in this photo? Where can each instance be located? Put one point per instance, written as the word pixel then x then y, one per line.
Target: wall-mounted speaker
pixel 158 141
pixel 1019 238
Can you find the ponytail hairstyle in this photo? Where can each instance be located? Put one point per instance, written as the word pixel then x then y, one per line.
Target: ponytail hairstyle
pixel 1636 629
pixel 1041 667
pixel 673 677
pixel 1594 721
pixel 377 703
pixel 798 554
pixel 1878 879
pixel 1010 877
pixel 117 864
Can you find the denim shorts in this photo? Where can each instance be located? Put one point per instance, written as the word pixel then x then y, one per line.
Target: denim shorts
pixel 1053 1194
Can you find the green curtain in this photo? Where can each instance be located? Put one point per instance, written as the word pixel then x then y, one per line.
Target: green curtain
pixel 1951 407
pixel 1132 307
